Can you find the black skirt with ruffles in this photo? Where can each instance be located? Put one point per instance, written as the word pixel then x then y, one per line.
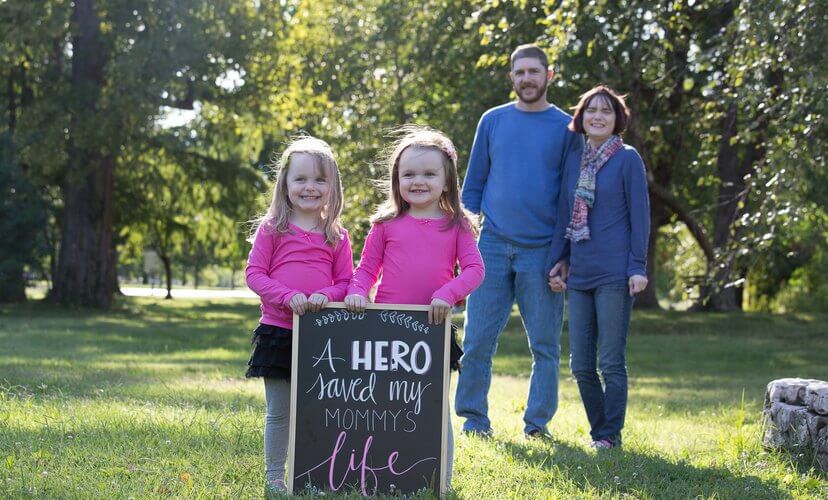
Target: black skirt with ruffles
pixel 273 351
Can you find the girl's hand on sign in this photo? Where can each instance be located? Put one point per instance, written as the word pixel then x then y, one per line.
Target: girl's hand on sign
pixel 438 311
pixel 356 303
pixel 299 303
pixel 317 302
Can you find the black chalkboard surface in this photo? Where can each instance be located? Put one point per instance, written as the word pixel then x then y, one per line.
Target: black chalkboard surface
pixel 369 401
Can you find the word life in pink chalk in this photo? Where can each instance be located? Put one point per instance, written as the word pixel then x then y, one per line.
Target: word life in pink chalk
pixel 368 480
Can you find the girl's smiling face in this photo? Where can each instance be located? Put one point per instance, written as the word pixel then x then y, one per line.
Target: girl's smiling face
pixel 422 178
pixel 307 185
pixel 599 120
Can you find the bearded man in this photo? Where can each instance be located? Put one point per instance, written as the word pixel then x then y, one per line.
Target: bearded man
pixel 513 179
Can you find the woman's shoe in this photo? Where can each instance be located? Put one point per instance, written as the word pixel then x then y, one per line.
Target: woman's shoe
pixel 602 444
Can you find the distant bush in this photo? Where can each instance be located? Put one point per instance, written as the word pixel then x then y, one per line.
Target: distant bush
pixel 807 290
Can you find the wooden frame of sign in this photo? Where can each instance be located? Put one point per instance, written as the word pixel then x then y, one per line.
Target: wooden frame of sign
pixel 367 391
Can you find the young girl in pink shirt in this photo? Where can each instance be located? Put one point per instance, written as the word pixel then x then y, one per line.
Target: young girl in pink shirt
pixel 419 236
pixel 300 260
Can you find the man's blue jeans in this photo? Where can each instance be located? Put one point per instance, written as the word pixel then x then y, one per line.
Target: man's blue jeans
pixel 599 320
pixel 513 273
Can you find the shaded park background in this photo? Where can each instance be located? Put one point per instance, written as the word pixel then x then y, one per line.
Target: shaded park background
pixel 130 126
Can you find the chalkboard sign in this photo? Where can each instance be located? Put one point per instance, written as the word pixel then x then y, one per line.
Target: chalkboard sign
pixel 369 401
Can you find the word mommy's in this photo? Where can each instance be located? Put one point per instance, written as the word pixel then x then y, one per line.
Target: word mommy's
pixel 382 355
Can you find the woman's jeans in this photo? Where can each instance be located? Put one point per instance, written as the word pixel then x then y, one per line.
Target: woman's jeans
pixel 599 320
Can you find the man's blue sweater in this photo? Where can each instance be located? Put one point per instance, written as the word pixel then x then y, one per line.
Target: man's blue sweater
pixel 514 171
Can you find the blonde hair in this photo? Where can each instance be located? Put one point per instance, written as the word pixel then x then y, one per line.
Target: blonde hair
pixel 427 138
pixel 277 217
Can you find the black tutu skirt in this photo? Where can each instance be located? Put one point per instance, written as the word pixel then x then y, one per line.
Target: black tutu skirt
pixel 273 351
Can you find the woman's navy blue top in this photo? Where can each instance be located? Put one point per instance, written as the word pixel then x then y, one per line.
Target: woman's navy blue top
pixel 619 223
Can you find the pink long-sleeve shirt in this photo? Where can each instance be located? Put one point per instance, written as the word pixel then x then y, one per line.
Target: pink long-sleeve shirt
pixel 280 265
pixel 417 260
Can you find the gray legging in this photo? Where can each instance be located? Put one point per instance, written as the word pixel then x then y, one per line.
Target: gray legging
pixel 277 429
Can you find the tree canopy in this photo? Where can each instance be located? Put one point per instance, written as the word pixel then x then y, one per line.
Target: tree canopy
pixel 153 123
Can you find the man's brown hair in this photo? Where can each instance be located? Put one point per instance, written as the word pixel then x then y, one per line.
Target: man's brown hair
pixel 529 50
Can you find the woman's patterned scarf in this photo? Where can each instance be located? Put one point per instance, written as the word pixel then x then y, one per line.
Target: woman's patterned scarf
pixel 591 162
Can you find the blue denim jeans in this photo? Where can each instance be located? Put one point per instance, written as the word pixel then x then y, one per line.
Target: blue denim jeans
pixel 599 320
pixel 513 273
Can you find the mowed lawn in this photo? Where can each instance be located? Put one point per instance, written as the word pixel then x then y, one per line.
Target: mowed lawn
pixel 150 400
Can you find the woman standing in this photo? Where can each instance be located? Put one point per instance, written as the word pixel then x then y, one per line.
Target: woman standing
pixel 600 256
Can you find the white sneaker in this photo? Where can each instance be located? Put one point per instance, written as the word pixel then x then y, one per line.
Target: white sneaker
pixel 602 444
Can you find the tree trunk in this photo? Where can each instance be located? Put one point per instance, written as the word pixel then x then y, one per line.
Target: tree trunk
pixel 725 299
pixel 116 287
pixel 731 188
pixel 86 261
pixel 168 273
pixel 12 102
pixel 648 298
pixel 54 249
pixel 12 285
pixel 734 163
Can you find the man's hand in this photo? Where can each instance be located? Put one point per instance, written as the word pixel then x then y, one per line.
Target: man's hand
pixel 558 276
pixel 637 284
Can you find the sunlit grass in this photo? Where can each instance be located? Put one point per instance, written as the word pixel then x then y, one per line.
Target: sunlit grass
pixel 150 400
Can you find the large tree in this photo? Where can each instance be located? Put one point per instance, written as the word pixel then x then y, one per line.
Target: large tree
pixel 99 72
pixel 23 211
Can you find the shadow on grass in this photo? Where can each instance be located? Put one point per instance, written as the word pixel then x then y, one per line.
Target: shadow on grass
pixel 156 391
pixel 136 309
pixel 40 331
pixel 621 472
pixel 139 344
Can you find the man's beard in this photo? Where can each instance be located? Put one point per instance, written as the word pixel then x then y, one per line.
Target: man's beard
pixel 541 92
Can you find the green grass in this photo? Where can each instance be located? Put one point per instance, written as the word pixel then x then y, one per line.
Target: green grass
pixel 150 400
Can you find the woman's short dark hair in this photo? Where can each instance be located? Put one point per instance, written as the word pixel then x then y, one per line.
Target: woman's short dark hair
pixel 616 100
